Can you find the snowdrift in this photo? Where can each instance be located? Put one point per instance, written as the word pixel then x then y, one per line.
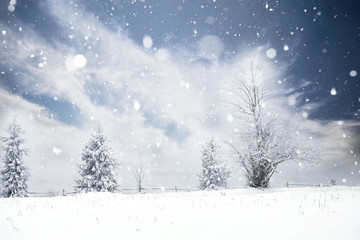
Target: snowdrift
pixel 300 213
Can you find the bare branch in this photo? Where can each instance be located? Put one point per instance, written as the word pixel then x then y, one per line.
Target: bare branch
pixel 139 174
pixel 264 141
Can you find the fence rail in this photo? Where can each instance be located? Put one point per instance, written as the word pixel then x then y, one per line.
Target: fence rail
pixel 145 190
pixel 307 185
pixel 50 194
pixel 123 190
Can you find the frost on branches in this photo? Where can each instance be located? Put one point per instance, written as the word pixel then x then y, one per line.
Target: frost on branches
pixel 14 174
pixel 214 174
pixel 97 168
pixel 264 142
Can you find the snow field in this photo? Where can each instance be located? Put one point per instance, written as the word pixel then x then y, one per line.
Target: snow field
pixel 299 213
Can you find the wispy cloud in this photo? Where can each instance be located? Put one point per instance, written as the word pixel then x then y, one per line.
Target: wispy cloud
pixel 165 109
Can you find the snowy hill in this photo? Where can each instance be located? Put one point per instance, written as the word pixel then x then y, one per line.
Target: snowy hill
pixel 300 213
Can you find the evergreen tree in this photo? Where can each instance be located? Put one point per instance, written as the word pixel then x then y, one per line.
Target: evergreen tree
pixel 214 173
pixel 97 169
pixel 14 174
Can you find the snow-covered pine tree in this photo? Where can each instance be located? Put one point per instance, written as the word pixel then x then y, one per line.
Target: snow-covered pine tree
pixel 97 168
pixel 14 174
pixel 214 173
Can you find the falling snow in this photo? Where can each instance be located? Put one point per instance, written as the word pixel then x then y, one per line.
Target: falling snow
pixel 56 151
pixel 333 91
pixel 137 105
pixel 11 6
pixel 67 66
pixel 271 53
pixel 79 61
pixel 147 42
pixel 353 73
pixel 211 47
pixel 229 117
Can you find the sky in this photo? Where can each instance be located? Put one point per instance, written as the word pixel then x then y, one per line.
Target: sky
pixel 157 74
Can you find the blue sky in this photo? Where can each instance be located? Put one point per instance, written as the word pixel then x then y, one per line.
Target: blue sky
pixel 155 74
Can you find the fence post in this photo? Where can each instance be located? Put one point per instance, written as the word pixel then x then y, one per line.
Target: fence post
pixel 176 189
pixel 63 192
pixel 287 184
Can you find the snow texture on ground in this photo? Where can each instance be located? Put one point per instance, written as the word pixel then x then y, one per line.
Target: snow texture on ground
pixel 298 213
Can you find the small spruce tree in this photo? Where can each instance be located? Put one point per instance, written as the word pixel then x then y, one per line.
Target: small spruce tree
pixel 214 173
pixel 97 168
pixel 14 174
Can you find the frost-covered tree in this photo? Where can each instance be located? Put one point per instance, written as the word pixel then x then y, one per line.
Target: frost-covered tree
pixel 15 174
pixel 264 142
pixel 97 169
pixel 214 173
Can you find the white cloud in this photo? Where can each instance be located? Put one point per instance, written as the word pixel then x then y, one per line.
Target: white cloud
pixel 146 91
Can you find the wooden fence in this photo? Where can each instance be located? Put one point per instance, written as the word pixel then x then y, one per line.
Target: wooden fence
pixel 306 185
pixel 146 190
pixel 50 194
pixel 123 190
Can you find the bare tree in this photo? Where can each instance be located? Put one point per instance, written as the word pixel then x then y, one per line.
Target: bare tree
pixel 139 174
pixel 263 142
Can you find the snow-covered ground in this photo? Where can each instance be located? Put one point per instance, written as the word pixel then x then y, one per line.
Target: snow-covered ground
pixel 301 213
